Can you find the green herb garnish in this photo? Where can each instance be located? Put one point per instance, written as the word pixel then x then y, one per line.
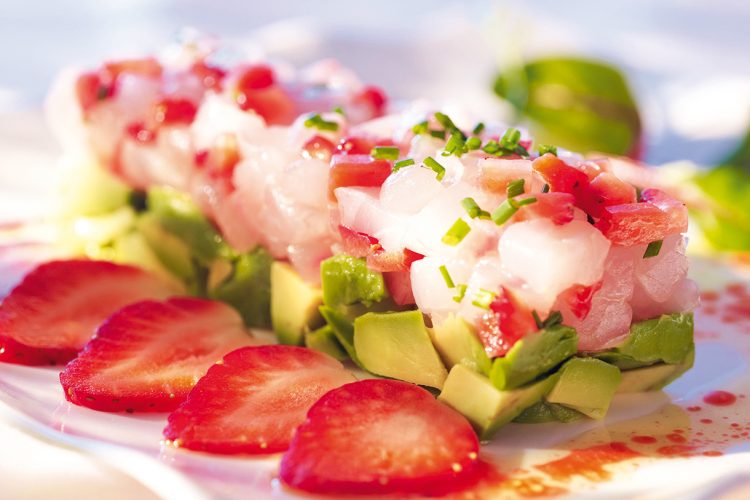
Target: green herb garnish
pixel 483 298
pixel 460 293
pixel 435 167
pixel 555 318
pixel 447 277
pixel 317 121
pixel 473 209
pixel 653 249
pixel 478 129
pixel 546 148
pixel 385 153
pixel 403 163
pixel 456 233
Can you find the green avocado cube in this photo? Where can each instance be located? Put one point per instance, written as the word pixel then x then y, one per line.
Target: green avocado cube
pixel 457 342
pixel 397 345
pixel 484 405
pixel 294 304
pixel 173 252
pixel 654 377
pixel 543 412
pixel 586 385
pixel 533 356
pixel 248 288
pixel 347 280
pixel 666 339
pixel 343 329
pixel 324 340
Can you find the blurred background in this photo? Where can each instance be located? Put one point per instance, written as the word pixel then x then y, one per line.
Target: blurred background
pixel 685 61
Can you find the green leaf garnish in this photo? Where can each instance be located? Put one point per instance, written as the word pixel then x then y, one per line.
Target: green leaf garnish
pixel 546 148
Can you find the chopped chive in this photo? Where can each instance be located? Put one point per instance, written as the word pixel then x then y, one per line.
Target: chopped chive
pixel 478 129
pixel 420 128
pixel 525 201
pixel 455 145
pixel 447 277
pixel 510 138
pixel 461 292
pixel 546 148
pixel 491 147
pixel 473 209
pixel 403 163
pixel 555 318
pixel 503 213
pixel 653 249
pixel 439 134
pixel 385 153
pixel 473 143
pixel 545 188
pixel 317 121
pixel 445 121
pixel 537 319
pixel 483 298
pixel 339 110
pixel 456 233
pixel 435 167
pixel 515 188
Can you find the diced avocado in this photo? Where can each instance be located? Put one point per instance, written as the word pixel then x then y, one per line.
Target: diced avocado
pixel 294 304
pixel 346 280
pixel 343 329
pixel 654 377
pixel 534 355
pixel 586 385
pixel 457 342
pixel 543 412
pixel 398 345
pixel 133 249
pixel 94 235
pixel 667 339
pixel 248 289
pixel 324 340
pixel 487 408
pixel 173 252
pixel 178 215
pixel 88 189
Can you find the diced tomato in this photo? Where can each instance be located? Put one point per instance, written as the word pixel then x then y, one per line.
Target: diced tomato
pixel 211 76
pixel 256 77
pixel 561 177
pixel 170 111
pixel 654 218
pixel 555 206
pixel 355 146
pixel 579 297
pixel 90 90
pixel 139 132
pixel 147 66
pixel 507 322
pixel 356 170
pixel 399 287
pixel 319 148
pixel 604 191
pixel 374 98
pixel 395 261
pixel 357 244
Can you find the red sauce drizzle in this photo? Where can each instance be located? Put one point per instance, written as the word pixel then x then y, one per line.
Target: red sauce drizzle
pixel 643 439
pixel 588 462
pixel 675 449
pixel 676 438
pixel 720 398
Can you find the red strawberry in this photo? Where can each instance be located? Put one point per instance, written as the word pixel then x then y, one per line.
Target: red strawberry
pixel 379 437
pixel 54 311
pixel 148 355
pixel 253 400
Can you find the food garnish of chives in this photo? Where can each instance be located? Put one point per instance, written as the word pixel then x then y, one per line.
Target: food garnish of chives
pixel 473 209
pixel 503 213
pixel 456 233
pixel 553 319
pixel 537 319
pixel 421 128
pixel 483 298
pixel 438 134
pixel 515 188
pixel 460 292
pixel 435 167
pixel 478 129
pixel 447 277
pixel 317 121
pixel 403 163
pixel 546 148
pixel 510 138
pixel 385 152
pixel 445 121
pixel 455 145
pixel 653 249
pixel 545 188
pixel 339 110
pixel 473 143
pixel 492 147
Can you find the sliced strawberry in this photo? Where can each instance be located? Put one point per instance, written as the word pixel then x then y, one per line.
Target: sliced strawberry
pixel 254 400
pixel 507 322
pixel 54 311
pixel 148 355
pixel 381 437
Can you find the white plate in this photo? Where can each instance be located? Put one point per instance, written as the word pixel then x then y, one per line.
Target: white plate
pixel 32 399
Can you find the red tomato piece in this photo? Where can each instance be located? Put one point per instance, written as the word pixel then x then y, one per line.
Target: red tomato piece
pixel 374 98
pixel 555 206
pixel 319 148
pixel 140 133
pixel 170 111
pixel 222 157
pixel 147 66
pixel 356 146
pixel 90 90
pixel 256 77
pixel 604 191
pixel 385 262
pixel 654 218
pixel 356 170
pixel 560 176
pixel 357 244
pixel 211 76
pixel 507 322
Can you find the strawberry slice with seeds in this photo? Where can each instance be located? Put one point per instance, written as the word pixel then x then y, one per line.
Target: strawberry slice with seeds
pixel 48 317
pixel 381 437
pixel 149 355
pixel 253 400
